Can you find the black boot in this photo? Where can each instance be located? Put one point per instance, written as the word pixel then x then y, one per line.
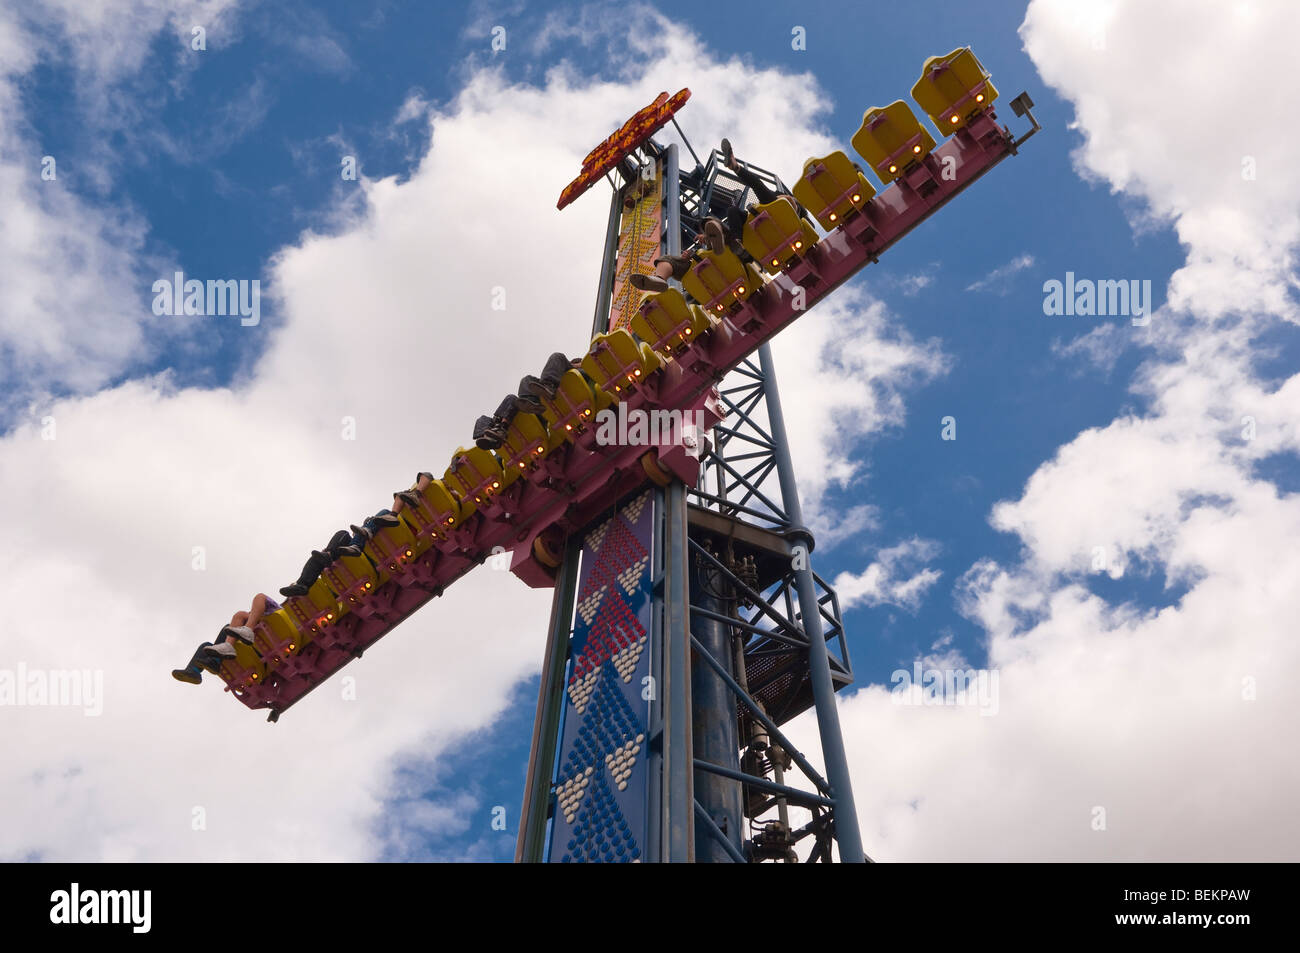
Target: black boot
pixel 483 425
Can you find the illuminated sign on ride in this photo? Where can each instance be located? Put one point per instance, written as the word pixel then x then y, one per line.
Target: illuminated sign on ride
pixel 619 146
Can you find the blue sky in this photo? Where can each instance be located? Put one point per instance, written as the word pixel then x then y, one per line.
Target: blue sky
pixel 225 163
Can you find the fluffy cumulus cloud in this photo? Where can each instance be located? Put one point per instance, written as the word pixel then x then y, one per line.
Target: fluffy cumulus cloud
pixel 1157 728
pixel 158 510
pixel 894 577
pixel 73 308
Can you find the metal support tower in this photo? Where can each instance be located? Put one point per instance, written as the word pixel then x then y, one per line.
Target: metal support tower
pixel 738 627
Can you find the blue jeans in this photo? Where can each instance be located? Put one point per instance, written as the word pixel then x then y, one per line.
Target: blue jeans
pixel 370 525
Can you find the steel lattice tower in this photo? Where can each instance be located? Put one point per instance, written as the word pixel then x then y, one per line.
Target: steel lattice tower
pixel 682 758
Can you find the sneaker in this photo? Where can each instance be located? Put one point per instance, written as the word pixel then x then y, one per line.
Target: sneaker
pixel 715 236
pixel 187 675
pixel 536 387
pixel 223 649
pixel 409 497
pixel 293 590
pixel 489 441
pixel 348 550
pixel 531 405
pixel 387 520
pixel 241 632
pixel 357 531
pixel 728 157
pixel 648 283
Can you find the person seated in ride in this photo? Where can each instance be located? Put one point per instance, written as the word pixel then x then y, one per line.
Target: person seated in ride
pixel 667 266
pixel 344 544
pixel 724 231
pixel 763 193
pixel 490 429
pixel 386 519
pixel 402 498
pixel 209 655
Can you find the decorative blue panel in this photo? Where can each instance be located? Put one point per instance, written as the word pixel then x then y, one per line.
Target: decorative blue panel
pixel 601 787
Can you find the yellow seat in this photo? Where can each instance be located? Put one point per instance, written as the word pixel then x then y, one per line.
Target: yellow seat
pixel 832 188
pixel 351 578
pixel 574 406
pixel 891 139
pixel 391 548
pixel 719 282
pixel 775 235
pixel 245 670
pixel 313 611
pixel 276 637
pixel 618 364
pixel 527 443
pixel 667 323
pixel 953 88
pixel 437 514
pixel 475 476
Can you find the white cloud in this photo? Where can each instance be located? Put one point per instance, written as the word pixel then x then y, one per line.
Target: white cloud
pixel 998 280
pixel 1169 718
pixel 73 292
pixel 843 376
pixel 892 578
pixel 387 320
pixel 415 106
pixel 1100 347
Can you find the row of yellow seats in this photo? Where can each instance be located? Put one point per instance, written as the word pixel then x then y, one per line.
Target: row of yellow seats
pixel 952 90
pixel 615 364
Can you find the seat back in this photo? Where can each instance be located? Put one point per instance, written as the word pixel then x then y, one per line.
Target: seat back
pixel 352 578
pixel 391 548
pixel 954 88
pixel 617 364
pixel 720 281
pixel 313 611
pixel 775 235
pixel 574 407
pixel 832 189
pixel 246 671
pixel 475 476
pixel 667 323
pixel 436 516
pixel 527 443
pixel 276 637
pixel 891 139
